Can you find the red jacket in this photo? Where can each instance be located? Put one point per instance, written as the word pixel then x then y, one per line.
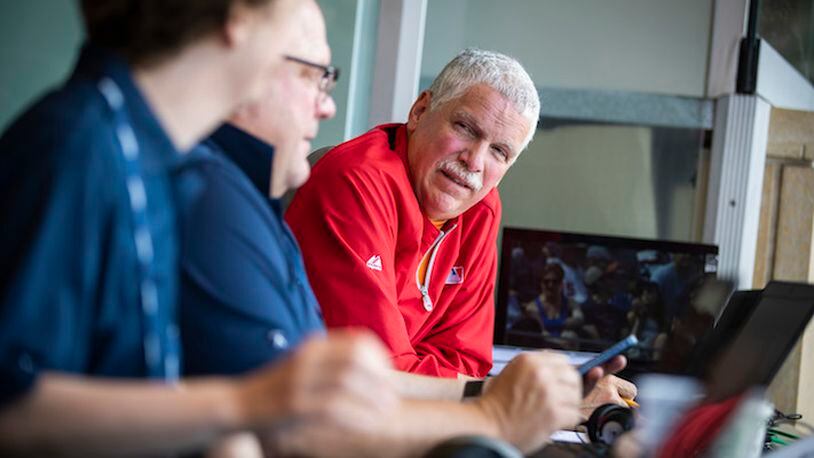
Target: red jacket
pixel 363 236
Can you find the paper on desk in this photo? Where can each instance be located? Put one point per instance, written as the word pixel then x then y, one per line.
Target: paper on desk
pixel 571 437
pixel 502 354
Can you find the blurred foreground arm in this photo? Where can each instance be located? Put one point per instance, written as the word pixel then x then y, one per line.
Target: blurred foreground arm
pixel 427 387
pixel 339 379
pixel 536 394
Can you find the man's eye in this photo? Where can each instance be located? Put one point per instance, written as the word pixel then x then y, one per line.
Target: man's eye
pixel 501 153
pixel 463 128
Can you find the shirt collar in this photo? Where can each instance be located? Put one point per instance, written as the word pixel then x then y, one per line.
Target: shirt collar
pixel 253 156
pixel 157 150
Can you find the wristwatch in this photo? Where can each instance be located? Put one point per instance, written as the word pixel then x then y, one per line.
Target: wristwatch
pixel 473 388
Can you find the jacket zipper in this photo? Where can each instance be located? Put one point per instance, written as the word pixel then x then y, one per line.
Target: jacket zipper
pixel 425 288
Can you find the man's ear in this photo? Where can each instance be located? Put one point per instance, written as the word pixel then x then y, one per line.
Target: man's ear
pixel 237 27
pixel 420 107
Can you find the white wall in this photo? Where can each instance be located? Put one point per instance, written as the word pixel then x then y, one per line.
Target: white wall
pixel 594 179
pixel 657 46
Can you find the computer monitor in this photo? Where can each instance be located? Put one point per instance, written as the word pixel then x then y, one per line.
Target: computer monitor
pixel 583 292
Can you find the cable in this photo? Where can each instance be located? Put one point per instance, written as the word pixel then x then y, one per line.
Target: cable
pixel 776 440
pixel 783 433
pixel 780 416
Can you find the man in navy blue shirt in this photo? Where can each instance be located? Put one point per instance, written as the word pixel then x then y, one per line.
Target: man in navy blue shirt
pixel 89 265
pixel 245 299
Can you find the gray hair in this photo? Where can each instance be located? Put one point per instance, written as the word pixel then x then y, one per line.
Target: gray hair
pixel 498 71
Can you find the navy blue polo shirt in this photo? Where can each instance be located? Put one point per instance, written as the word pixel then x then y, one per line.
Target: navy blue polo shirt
pixel 69 289
pixel 245 299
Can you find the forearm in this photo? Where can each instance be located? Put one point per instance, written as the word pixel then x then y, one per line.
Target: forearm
pixel 423 424
pixel 69 415
pixel 533 396
pixel 412 431
pixel 415 386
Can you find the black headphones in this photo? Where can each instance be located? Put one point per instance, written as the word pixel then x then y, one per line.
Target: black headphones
pixel 608 422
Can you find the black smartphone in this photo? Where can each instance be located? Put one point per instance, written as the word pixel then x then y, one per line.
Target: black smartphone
pixel 617 349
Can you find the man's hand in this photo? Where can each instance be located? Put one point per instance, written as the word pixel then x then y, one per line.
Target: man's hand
pixel 535 395
pixel 610 389
pixel 335 384
pixel 611 367
pixel 603 388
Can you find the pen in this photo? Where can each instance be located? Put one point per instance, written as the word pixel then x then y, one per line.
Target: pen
pixel 631 403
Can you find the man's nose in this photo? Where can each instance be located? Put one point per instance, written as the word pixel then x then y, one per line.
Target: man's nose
pixel 326 107
pixel 474 156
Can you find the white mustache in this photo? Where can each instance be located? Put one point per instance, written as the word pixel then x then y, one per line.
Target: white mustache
pixel 458 171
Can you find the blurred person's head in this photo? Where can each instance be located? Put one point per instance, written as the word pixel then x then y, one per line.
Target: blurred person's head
pixel 598 256
pixel 552 250
pixel 288 115
pixel 596 277
pixel 551 281
pixel 685 265
pixel 467 129
pixel 647 296
pixel 148 31
pixel 650 293
pixel 645 257
pixel 234 43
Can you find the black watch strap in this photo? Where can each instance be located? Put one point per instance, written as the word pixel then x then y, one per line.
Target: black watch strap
pixel 473 388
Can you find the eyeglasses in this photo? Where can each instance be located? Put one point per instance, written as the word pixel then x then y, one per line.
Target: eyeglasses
pixel 327 82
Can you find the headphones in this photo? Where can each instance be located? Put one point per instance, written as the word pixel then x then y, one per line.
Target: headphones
pixel 608 422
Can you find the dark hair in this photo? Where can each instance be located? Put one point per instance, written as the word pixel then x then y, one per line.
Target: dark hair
pixel 145 31
pixel 555 269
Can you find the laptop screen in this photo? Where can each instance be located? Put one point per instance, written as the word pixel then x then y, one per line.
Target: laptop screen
pixel 762 345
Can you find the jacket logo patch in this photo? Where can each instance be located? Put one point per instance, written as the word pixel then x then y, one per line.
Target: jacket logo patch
pixel 456 276
pixel 375 263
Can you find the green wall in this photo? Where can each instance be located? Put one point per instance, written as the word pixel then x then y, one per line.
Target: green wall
pixel 350 21
pixel 39 41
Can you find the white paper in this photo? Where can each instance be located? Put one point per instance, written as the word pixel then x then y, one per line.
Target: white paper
pixel 502 354
pixel 571 437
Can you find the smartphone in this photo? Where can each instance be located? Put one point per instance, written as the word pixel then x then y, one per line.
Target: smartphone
pixel 617 349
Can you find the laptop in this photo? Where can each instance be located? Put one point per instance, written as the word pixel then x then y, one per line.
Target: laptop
pixel 758 351
pixel 762 328
pixel 738 309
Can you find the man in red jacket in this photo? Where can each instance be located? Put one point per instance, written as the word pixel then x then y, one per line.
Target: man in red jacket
pixel 398 227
